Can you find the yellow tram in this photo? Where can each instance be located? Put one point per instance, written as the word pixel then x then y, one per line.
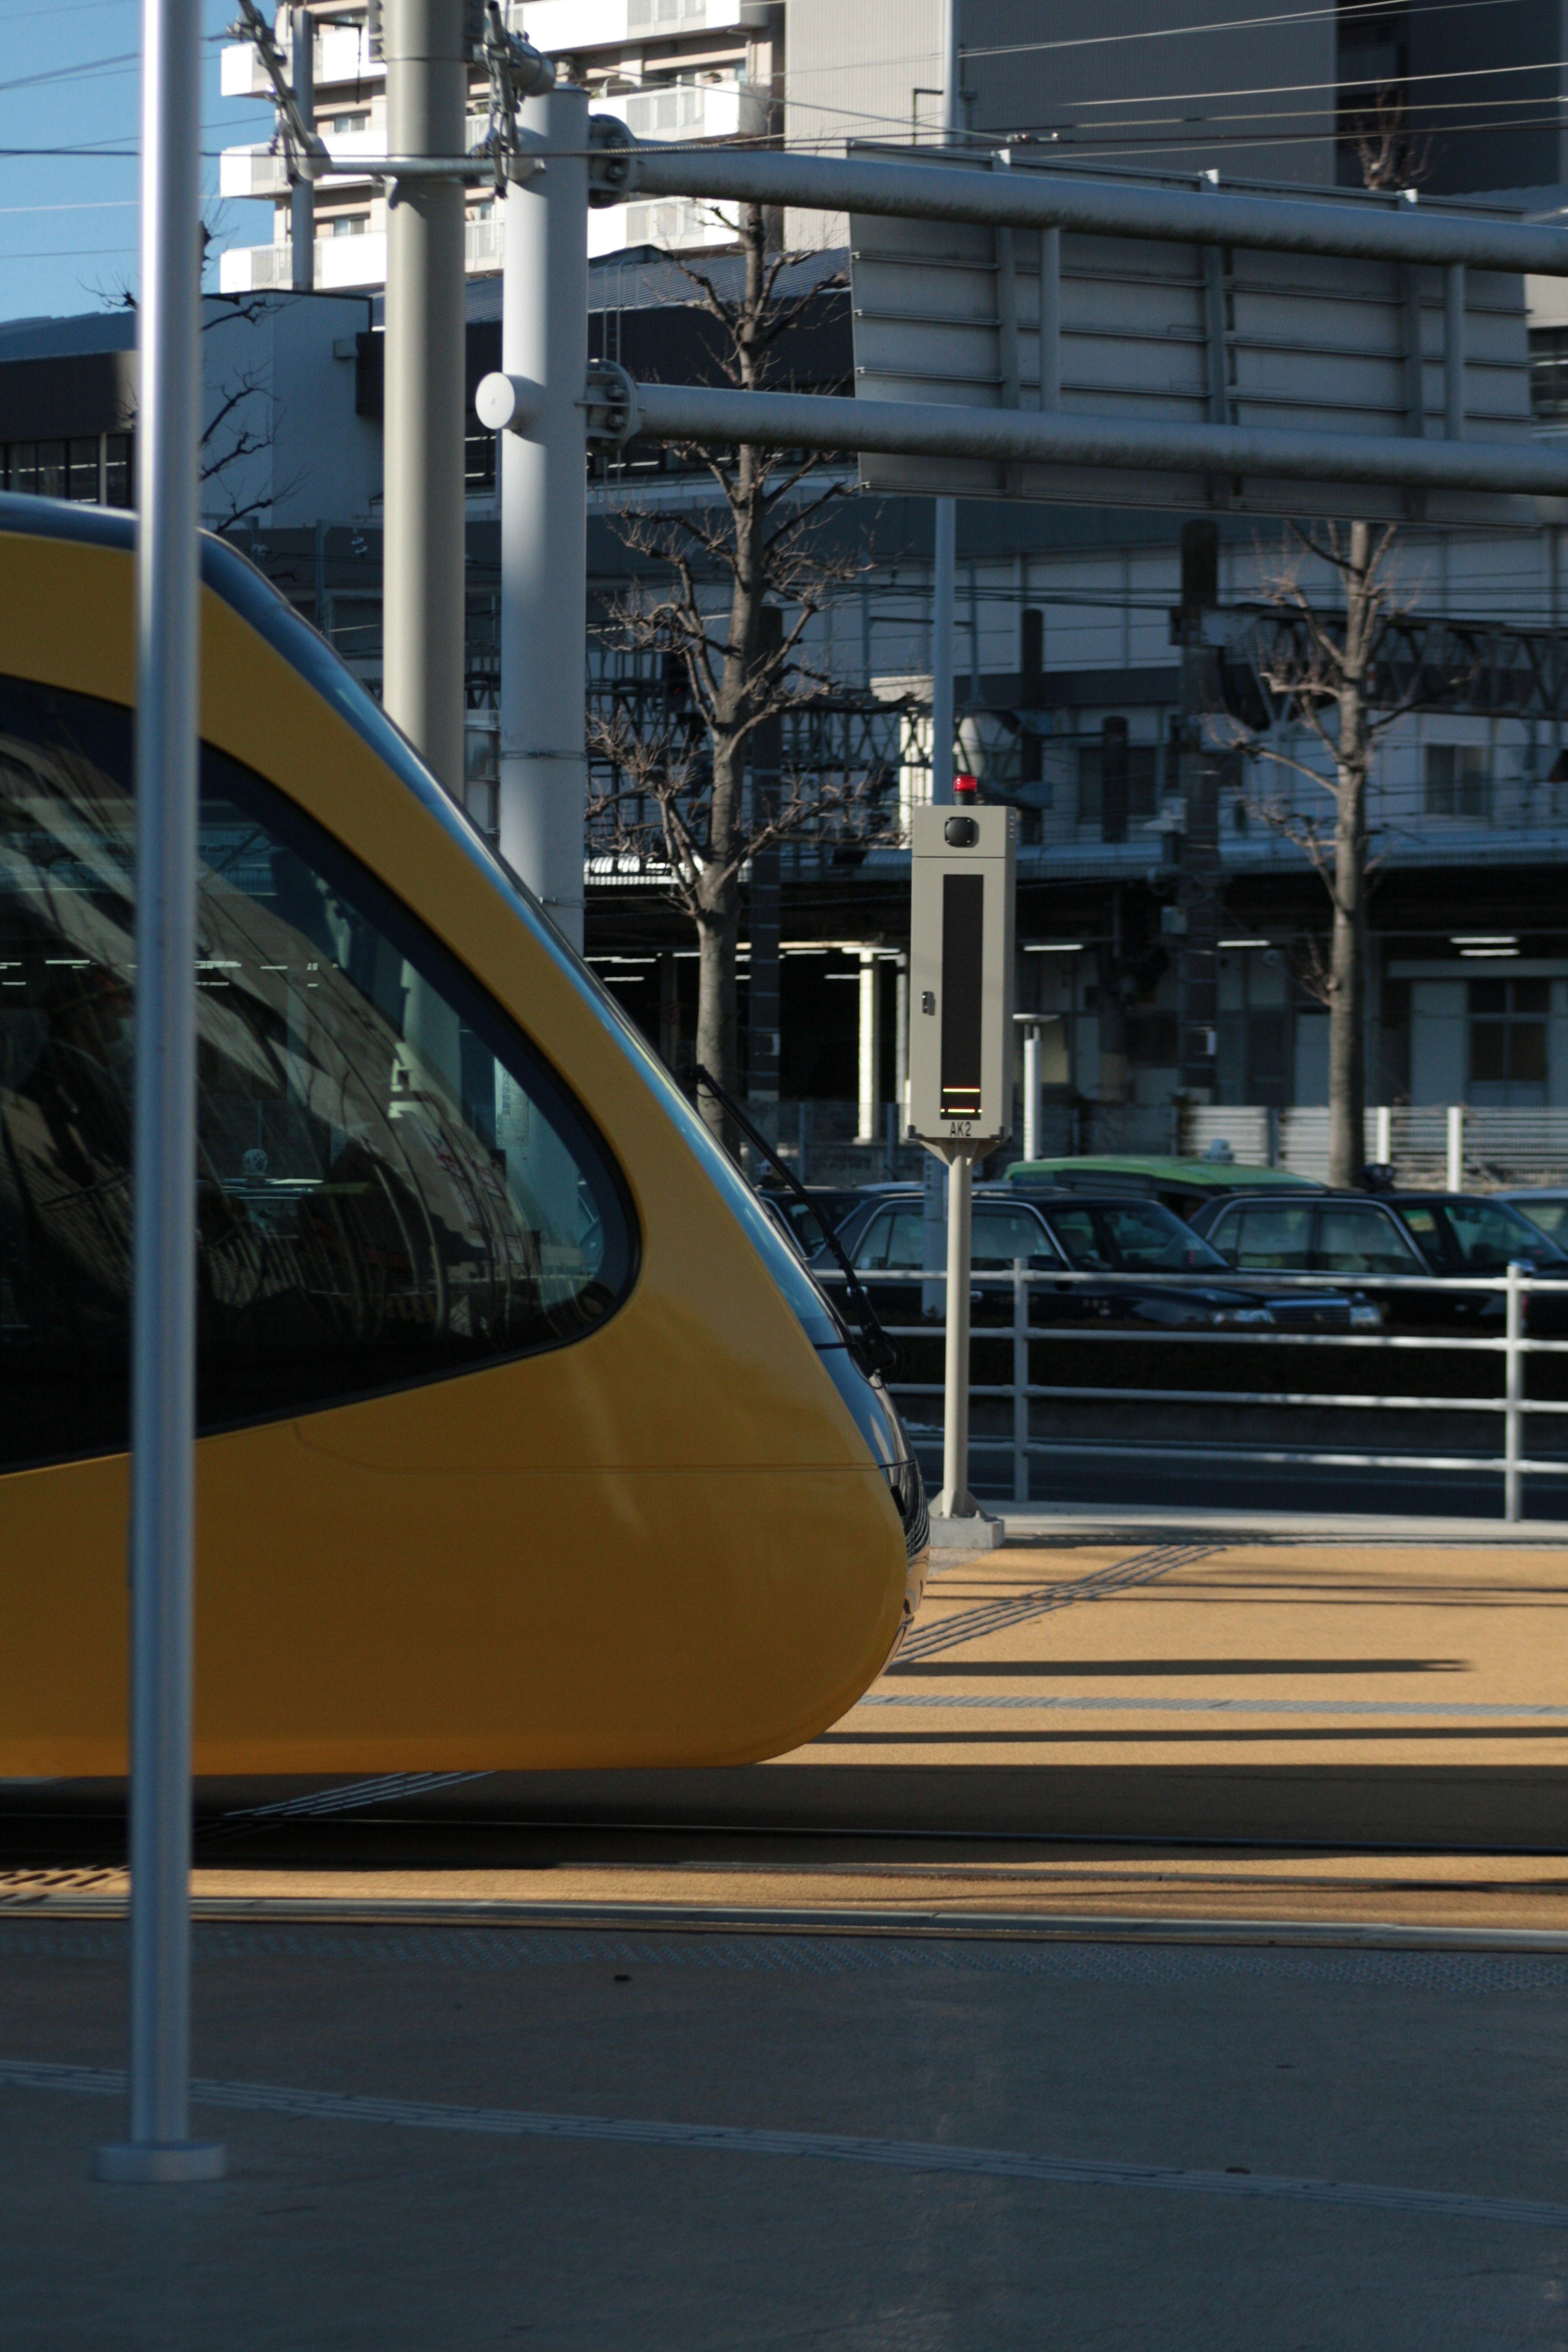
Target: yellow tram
pixel 524 1440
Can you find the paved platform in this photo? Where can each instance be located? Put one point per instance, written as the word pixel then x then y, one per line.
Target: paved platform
pixel 574 2139
pixel 1171 1951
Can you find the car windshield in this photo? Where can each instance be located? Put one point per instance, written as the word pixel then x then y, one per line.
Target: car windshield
pixel 1002 1233
pixel 1131 1238
pixel 892 1241
pixel 1148 1239
pixel 1483 1236
pixel 1551 1215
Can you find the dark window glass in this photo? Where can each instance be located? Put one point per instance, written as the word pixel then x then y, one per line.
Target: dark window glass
pixel 390 1184
pixel 1483 1237
pixel 1508 1035
pixel 893 1239
pixel 81 478
pixel 22 472
pixel 479 459
pixel 1001 1234
pixel 1526 1050
pixel 1552 1216
pixel 117 470
pixel 1549 374
pixel 1149 1239
pixel 1085 1247
pixel 1351 1240
pixel 1266 1239
pixel 51 474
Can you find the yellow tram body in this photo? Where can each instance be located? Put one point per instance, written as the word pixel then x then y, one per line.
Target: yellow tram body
pixel 665 1543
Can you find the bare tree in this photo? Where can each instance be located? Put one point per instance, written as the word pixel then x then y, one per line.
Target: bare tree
pixel 1323 669
pixel 679 793
pixel 239 427
pixel 1390 155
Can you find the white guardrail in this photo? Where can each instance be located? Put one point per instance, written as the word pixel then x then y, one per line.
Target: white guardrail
pixel 1512 1344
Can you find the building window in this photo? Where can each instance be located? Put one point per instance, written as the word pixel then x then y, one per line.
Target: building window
pixel 117 470
pixel 1507 1040
pixel 391 1185
pixel 1549 374
pixel 350 122
pixel 1458 781
pixel 1151 1040
pixel 479 459
pixel 350 224
pixel 92 468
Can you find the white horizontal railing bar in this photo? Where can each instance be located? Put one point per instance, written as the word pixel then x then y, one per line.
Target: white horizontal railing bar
pixel 1266 1397
pixel 1200 1277
pixel 1287 1457
pixel 804 420
pixel 1225 1396
pixel 1150 1334
pixel 1041 199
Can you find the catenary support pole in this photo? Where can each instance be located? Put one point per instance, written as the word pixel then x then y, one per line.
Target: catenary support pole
pixel 423 599
pixel 302 195
pixel 1031 1090
pixel 164 1145
pixel 543 525
pixel 944 568
pixel 955 1501
pixel 944 547
pixel 1513 1394
pixel 869 1041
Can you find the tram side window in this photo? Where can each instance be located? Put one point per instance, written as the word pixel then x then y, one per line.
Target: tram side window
pixel 391 1186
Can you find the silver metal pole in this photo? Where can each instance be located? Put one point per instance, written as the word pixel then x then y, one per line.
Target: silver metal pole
pixel 1035 198
pixel 1032 1090
pixel 944 557
pixel 944 569
pixel 955 1501
pixel 302 195
pixel 1456 1168
pixel 919 428
pixel 1513 1358
pixel 543 525
pixel 164 1168
pixel 426 96
pixel 870 1042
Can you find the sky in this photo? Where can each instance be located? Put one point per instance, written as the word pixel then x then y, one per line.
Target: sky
pixel 69 80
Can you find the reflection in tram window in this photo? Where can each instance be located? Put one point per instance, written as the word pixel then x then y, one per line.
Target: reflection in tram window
pixel 391 1185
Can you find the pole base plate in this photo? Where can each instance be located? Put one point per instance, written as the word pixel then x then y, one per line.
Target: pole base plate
pixel 162 2160
pixel 974 1533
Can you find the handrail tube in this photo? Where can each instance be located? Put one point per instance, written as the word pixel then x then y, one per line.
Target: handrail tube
pixel 1513 1405
pixel 1030 198
pixel 918 428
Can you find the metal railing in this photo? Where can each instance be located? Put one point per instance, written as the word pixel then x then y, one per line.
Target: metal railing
pixel 1512 1344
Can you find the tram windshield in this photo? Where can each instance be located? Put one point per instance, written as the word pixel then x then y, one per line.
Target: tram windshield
pixel 391 1186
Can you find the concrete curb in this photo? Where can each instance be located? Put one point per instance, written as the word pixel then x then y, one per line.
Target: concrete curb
pixel 705 1919
pixel 1034 1522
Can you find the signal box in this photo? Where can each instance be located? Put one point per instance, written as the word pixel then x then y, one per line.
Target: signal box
pixel 961 973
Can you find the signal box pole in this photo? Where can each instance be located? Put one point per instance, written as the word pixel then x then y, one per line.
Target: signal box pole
pixel 961 1069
